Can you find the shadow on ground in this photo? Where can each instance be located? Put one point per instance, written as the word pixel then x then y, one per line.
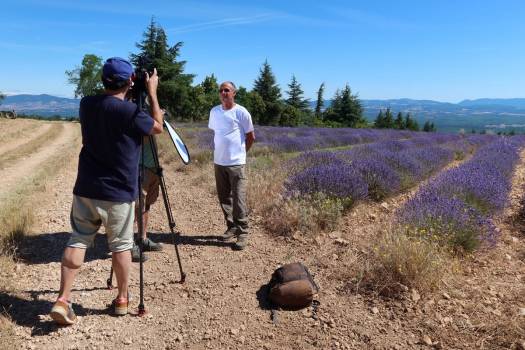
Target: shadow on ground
pixel 48 247
pixel 200 240
pixel 27 313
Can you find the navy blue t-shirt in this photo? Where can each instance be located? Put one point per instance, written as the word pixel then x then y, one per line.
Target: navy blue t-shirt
pixel 112 130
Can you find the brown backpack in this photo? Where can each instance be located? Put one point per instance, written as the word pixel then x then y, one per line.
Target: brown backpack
pixel 292 287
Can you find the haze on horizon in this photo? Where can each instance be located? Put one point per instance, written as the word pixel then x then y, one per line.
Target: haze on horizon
pixel 433 50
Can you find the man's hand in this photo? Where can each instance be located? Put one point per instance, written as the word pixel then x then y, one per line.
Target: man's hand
pixel 152 82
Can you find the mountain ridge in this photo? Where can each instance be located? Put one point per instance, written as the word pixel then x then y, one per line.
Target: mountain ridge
pixel 500 114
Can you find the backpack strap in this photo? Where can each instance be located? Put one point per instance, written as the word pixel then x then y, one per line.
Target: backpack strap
pixel 315 308
pixel 273 316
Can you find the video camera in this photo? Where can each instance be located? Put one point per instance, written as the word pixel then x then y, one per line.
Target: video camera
pixel 138 91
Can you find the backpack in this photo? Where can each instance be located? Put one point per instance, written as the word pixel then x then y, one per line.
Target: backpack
pixel 292 287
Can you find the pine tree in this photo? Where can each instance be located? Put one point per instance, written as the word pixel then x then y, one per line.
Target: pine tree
pixel 411 124
pixel 266 87
pixel 345 110
pixel 175 89
pixel 379 123
pixel 320 101
pixel 398 122
pixel 429 127
pixel 389 119
pixel 295 96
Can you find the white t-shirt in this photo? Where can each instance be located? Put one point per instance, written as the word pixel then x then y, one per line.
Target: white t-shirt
pixel 230 128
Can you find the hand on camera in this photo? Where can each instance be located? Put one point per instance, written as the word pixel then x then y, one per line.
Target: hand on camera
pixel 152 82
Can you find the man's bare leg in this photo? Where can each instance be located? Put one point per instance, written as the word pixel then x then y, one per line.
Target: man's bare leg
pixel 145 217
pixel 71 262
pixel 121 265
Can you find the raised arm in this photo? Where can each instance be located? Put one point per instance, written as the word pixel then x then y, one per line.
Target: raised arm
pixel 152 83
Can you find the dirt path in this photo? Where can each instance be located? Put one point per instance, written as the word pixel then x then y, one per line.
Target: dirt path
pixel 218 306
pixel 24 135
pixel 23 167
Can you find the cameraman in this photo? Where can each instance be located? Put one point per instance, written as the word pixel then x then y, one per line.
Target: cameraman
pixel 106 185
pixel 150 192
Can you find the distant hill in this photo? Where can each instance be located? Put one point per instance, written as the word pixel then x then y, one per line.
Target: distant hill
pixel 479 114
pixel 517 103
pixel 43 105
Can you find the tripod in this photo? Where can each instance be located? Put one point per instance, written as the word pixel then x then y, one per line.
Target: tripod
pixel 184 154
pixel 171 222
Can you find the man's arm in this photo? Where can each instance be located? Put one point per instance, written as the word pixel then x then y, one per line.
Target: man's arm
pixel 250 138
pixel 152 83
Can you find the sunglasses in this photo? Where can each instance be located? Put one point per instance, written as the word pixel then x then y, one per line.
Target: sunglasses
pixel 224 90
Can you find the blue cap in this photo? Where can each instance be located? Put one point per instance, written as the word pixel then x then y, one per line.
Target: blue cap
pixel 117 68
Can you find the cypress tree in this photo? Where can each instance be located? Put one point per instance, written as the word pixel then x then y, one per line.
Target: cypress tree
pixel 320 101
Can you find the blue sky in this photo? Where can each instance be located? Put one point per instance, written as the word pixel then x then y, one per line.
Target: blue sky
pixel 441 50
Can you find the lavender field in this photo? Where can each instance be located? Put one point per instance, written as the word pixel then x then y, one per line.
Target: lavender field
pixel 458 205
pixel 308 179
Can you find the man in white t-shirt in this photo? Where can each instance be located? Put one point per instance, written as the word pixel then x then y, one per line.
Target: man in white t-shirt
pixel 233 129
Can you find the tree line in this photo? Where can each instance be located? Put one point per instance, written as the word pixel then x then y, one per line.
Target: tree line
pixel 385 120
pixel 188 102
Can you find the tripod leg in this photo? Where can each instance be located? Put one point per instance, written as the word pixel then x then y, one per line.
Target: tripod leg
pixel 109 281
pixel 142 310
pixel 167 205
pixel 176 245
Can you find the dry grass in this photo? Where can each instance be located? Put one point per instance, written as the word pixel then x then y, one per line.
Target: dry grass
pixel 7 269
pixel 16 217
pixel 168 154
pixel 285 216
pixel 16 213
pixel 32 145
pixel 398 262
pixel 504 332
pixel 307 216
pixel 16 129
pixel 7 333
pixel 265 182
pixel 15 222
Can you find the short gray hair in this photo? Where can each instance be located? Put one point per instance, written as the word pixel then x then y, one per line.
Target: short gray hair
pixel 229 82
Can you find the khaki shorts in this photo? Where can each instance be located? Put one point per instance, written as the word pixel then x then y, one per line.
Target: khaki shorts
pixel 150 189
pixel 87 215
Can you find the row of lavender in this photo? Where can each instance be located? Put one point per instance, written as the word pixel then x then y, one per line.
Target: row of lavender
pixel 284 139
pixel 375 170
pixel 457 206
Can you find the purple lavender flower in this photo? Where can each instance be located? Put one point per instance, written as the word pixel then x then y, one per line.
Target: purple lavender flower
pixel 334 180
